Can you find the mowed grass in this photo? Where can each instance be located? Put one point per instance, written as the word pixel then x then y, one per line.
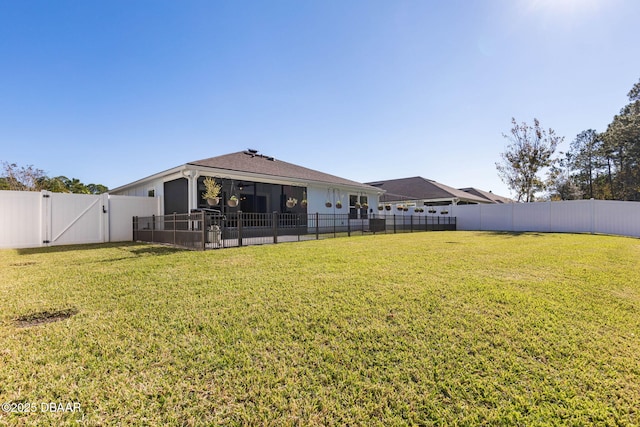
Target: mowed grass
pixel 442 328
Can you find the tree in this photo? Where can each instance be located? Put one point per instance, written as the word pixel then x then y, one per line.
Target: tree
pixel 530 151
pixel 621 145
pixel 22 178
pixel 29 178
pixel 585 160
pixel 560 185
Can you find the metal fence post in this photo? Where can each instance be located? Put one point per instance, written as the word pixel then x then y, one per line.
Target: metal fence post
pixel 153 226
pixel 175 226
pixel 135 228
pixel 411 223
pixel 349 225
pixel 204 232
pixel 274 226
pixel 317 226
pixel 239 228
pixel 394 224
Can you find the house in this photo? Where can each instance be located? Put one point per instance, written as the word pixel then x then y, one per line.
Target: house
pixel 263 184
pixel 487 195
pixel 418 191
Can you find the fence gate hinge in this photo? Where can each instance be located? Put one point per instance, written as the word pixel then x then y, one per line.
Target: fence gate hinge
pixel 46 196
pixel 46 241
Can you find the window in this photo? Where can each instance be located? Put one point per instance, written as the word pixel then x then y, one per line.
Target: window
pixel 358 207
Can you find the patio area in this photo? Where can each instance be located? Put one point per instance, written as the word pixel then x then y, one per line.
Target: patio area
pixel 209 229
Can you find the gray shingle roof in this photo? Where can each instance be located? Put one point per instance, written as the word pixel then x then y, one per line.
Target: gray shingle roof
pixel 418 188
pixel 252 162
pixel 487 195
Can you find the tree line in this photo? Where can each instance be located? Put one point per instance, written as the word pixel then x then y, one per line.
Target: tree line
pixel 30 178
pixel 598 165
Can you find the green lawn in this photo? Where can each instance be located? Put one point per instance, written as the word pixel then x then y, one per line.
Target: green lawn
pixel 441 328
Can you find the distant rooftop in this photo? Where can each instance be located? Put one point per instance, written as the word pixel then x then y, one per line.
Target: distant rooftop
pixel 419 188
pixel 487 195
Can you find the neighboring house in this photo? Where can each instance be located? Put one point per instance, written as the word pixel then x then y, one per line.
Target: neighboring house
pixel 262 183
pixel 417 191
pixel 487 195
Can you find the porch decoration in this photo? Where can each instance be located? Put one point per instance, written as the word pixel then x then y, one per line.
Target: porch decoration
pixel 304 202
pixel 432 211
pixel 387 207
pixel 328 204
pixel 364 204
pixel 444 212
pixel 233 200
pixel 400 207
pixel 291 202
pixel 380 207
pixel 339 204
pixel 212 193
pixel 357 205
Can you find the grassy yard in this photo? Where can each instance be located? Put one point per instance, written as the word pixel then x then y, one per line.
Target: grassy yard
pixel 443 328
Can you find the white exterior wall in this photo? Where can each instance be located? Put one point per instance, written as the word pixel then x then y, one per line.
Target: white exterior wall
pixel 317 196
pixel 142 190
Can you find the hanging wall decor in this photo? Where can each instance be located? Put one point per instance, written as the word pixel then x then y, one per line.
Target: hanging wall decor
pixel 233 200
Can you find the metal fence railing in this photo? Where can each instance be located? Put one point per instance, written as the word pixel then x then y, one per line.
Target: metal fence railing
pixel 208 229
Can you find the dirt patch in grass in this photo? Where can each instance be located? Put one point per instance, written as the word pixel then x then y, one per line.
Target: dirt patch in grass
pixel 22 264
pixel 42 317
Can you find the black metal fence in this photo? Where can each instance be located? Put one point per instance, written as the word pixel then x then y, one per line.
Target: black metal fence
pixel 211 230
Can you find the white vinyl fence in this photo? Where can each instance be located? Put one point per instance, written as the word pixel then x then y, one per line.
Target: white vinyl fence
pixel 33 219
pixel 576 216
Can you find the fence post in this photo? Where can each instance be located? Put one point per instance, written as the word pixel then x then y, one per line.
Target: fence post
pixel 274 226
pixel 175 225
pixel 394 224
pixel 411 223
pixel 153 227
pixel 135 228
pixel 239 228
pixel 349 225
pixel 204 232
pixel 298 216
pixel 317 226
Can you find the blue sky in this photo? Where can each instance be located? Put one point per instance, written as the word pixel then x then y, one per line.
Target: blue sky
pixel 113 91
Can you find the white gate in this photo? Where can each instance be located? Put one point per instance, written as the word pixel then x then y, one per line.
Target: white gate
pixel 74 218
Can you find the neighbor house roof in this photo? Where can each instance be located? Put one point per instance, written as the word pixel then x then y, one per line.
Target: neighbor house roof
pixel 251 161
pixel 487 195
pixel 419 188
